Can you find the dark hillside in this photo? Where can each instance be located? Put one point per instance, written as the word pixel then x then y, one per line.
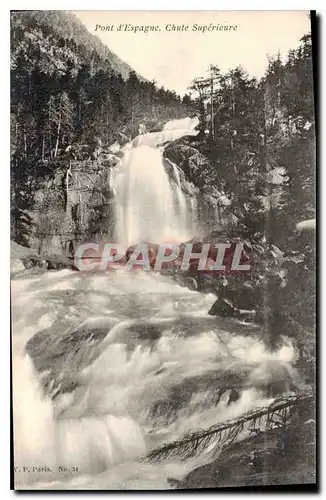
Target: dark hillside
pixel 70 40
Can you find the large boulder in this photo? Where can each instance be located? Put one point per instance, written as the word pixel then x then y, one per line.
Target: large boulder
pixel 109 160
pixel 20 252
pixel 177 152
pixel 222 307
pixel 16 266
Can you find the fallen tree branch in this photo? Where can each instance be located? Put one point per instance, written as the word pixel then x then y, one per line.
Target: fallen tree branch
pixel 194 444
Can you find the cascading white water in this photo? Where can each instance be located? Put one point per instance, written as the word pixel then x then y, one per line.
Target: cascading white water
pixel 181 198
pixel 159 370
pixel 157 376
pixel 146 207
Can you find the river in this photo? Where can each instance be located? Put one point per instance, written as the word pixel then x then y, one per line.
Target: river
pixel 107 366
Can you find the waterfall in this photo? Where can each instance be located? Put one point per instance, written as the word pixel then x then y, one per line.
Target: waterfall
pixel 109 366
pixel 164 368
pixel 180 195
pixel 149 205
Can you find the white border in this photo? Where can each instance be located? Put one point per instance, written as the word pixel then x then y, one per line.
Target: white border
pixel 5 180
pixel 166 5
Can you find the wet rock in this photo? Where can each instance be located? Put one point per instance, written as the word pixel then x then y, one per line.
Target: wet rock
pixel 58 262
pixel 109 160
pixel 174 483
pixel 20 257
pixel 19 252
pixel 122 138
pixel 61 355
pixel 222 307
pixel 114 148
pixel 191 283
pixel 23 258
pixel 180 154
pixel 263 459
pixel 16 266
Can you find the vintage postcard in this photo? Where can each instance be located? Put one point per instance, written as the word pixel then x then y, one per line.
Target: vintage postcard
pixel 163 238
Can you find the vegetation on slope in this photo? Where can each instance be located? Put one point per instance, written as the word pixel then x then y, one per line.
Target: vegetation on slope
pixel 68 91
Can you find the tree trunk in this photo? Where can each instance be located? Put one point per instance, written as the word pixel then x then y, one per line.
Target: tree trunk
pixel 58 135
pixel 50 135
pixel 212 104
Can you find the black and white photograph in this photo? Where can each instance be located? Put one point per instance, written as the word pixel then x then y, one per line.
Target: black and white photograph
pixel 163 250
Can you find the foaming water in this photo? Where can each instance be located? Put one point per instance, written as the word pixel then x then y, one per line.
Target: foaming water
pixel 148 207
pixel 108 366
pixel 138 363
pixel 146 210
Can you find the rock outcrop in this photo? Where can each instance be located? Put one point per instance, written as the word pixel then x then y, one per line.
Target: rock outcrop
pixel 73 199
pixel 198 171
pixel 72 204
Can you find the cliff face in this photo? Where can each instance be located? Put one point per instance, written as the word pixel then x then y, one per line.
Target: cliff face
pixel 72 206
pixel 74 202
pixel 70 95
pixel 212 204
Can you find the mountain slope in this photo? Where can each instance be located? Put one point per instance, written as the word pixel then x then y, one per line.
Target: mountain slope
pixel 57 39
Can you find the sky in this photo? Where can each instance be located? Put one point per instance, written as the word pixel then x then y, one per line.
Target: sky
pixel 174 58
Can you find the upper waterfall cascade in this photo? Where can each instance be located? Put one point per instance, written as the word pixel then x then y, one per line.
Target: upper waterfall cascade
pixel 149 207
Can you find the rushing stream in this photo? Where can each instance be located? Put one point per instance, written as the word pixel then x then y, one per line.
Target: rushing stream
pixel 109 366
pixel 149 206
